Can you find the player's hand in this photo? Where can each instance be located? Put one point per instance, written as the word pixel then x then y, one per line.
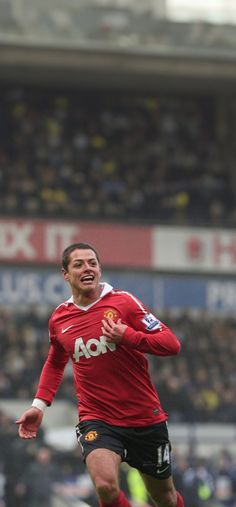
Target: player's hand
pixel 29 423
pixel 113 331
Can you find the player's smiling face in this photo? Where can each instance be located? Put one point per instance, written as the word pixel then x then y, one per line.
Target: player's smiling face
pixel 83 272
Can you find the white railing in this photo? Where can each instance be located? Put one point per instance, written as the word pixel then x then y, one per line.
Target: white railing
pixel 59 501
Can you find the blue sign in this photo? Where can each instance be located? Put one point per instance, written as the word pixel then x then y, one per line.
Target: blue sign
pixel 157 292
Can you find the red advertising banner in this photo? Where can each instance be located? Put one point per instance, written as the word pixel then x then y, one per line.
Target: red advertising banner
pixel 42 241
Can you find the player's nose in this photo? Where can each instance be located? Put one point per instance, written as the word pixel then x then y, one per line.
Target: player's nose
pixel 87 267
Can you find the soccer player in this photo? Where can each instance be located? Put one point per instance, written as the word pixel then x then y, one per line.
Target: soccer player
pixel 106 333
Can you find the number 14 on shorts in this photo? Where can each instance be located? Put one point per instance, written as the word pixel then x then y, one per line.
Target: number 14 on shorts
pixel 163 455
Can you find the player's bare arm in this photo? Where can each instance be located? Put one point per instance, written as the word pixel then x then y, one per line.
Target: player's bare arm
pixel 113 331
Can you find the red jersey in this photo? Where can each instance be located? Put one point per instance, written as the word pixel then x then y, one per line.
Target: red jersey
pixel 112 381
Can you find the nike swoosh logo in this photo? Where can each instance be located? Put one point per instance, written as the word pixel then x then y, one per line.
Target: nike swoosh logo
pixel 162 471
pixel 66 328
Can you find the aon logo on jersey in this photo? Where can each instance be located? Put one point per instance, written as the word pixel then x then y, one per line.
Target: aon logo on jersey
pixel 93 347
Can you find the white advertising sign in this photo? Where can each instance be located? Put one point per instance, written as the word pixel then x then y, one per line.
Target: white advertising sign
pixel 190 249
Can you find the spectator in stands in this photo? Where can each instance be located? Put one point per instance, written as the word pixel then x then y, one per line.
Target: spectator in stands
pixel 225 480
pixel 39 477
pixel 14 457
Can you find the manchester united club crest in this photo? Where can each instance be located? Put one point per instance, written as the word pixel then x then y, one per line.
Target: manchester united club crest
pixel 111 314
pixel 91 435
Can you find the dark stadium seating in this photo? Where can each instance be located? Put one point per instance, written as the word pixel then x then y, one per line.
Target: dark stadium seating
pixel 115 156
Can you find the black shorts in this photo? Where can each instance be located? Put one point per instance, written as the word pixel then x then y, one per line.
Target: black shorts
pixel 148 448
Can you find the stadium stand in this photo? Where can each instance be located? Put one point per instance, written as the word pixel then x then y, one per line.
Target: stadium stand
pixel 167 159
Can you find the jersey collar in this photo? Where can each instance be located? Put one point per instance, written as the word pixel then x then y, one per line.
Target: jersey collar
pixel 106 288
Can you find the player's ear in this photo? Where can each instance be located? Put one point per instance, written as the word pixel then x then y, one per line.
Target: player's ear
pixel 65 274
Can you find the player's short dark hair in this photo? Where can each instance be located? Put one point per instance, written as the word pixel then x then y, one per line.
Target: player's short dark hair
pixel 81 246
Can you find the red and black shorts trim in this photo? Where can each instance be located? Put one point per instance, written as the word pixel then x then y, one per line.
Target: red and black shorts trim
pixel 148 448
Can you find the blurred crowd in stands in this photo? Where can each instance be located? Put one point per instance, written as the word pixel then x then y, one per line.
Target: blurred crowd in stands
pixel 201 385
pixel 113 156
pixel 198 387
